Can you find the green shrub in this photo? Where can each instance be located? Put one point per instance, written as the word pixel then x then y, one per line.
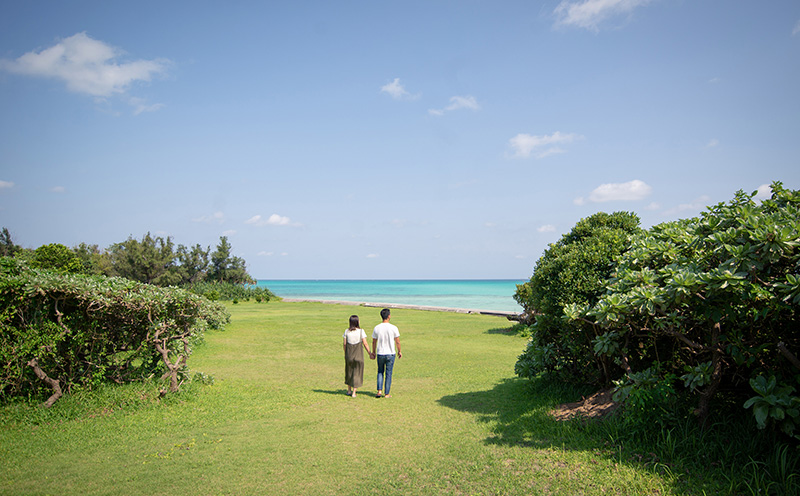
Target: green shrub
pixel 572 271
pixel 57 257
pixel 214 290
pixel 712 303
pixel 66 331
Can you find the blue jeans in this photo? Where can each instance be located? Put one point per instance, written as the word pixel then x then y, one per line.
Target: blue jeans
pixel 385 362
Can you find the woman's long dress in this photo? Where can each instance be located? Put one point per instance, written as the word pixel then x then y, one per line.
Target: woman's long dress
pixel 354 365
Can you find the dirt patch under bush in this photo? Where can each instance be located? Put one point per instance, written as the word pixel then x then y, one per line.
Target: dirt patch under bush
pixel 596 406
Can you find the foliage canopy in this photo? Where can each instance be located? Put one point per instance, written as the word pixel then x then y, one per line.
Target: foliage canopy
pixel 73 330
pixel 698 307
pixel 572 271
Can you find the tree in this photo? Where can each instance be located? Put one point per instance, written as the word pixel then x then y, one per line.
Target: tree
pixel 227 268
pixel 94 261
pixel 192 264
pixel 709 302
pixel 572 271
pixel 148 260
pixel 7 246
pixel 57 257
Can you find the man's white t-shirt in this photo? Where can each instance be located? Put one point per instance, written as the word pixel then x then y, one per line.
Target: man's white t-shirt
pixel 385 334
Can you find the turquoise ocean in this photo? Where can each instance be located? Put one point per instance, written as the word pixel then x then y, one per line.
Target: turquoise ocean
pixel 481 294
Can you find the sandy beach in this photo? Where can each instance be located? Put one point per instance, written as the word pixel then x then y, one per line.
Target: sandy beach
pixel 410 307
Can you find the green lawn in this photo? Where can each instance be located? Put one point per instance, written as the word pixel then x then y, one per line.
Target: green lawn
pixel 277 421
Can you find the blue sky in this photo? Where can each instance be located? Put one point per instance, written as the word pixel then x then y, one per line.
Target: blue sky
pixel 371 140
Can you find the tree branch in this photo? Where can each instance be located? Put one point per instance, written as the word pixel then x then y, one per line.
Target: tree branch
pixel 53 383
pixel 788 355
pixel 689 342
pixel 704 405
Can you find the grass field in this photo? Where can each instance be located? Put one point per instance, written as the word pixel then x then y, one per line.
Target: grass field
pixel 277 421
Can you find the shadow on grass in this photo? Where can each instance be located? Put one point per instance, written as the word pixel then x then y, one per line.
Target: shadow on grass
pixel 519 411
pixel 506 331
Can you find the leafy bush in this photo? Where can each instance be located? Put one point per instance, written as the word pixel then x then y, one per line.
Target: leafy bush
pixel 713 302
pixel 57 257
pixel 214 290
pixel 572 271
pixel 74 331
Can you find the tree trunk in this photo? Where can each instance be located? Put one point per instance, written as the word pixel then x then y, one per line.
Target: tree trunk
pixel 53 383
pixel 788 355
pixel 172 368
pixel 704 405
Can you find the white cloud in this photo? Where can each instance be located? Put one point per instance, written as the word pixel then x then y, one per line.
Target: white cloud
pixel 272 220
pixel 140 105
pixel 215 218
pixel 87 66
pixel 229 232
pixel 457 103
pixel 589 14
pixel 397 91
pixel 547 228
pixel 6 185
pixel 277 220
pixel 698 204
pixel 58 189
pixel 711 144
pixel 265 253
pixel 796 28
pixel 525 145
pixel 579 201
pixel 763 192
pixel 372 255
pixel 653 206
pixel 630 191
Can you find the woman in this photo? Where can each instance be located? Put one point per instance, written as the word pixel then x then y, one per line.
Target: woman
pixel 352 341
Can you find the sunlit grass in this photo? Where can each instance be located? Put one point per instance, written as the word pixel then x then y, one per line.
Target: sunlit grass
pixel 277 421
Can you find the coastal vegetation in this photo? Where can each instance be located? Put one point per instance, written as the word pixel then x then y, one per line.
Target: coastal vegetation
pixel 572 271
pixel 152 260
pixel 63 332
pixel 155 260
pixel 692 320
pixel 75 319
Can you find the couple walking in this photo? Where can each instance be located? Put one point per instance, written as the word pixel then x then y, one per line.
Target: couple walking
pixel 385 340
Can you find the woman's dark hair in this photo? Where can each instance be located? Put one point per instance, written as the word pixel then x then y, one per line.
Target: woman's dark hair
pixel 354 322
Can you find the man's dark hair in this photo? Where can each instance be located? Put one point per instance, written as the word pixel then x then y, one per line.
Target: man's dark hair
pixel 385 313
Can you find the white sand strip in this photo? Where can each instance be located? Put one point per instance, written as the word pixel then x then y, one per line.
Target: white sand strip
pixel 409 307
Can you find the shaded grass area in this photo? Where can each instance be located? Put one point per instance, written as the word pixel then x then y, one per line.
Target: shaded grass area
pixel 277 421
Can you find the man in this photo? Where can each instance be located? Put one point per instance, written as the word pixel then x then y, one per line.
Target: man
pixel 385 339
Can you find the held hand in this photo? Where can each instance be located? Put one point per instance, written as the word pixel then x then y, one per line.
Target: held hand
pixel 399 355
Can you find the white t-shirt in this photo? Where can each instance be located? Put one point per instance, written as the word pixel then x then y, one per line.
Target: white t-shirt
pixel 385 334
pixel 355 336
